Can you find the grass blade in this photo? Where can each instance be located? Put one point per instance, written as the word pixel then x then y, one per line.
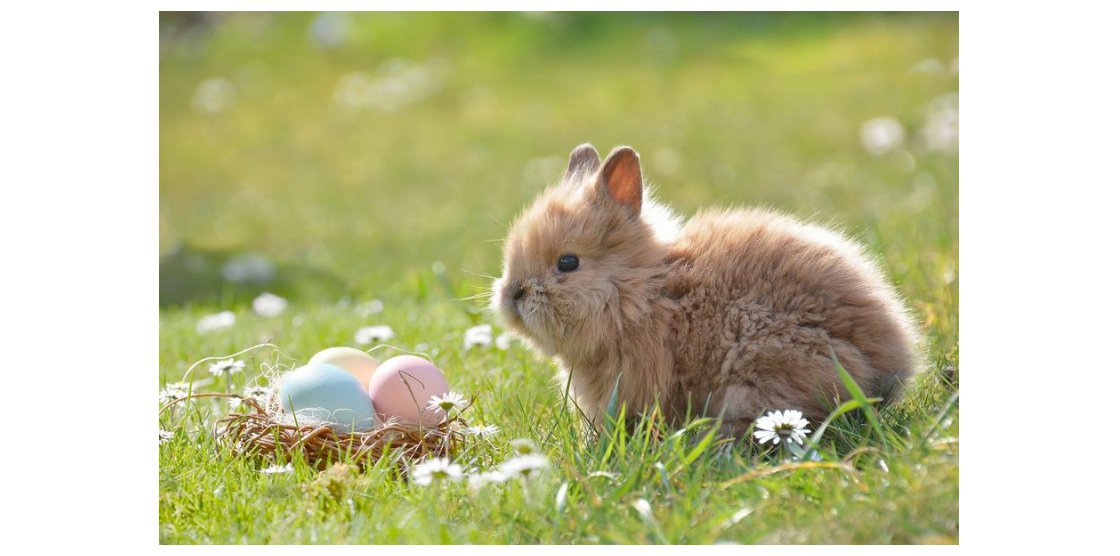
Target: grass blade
pixel 857 394
pixel 699 448
pixel 940 417
pixel 612 405
pixel 842 409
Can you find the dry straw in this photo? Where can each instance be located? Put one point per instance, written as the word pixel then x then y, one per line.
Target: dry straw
pixel 259 433
pixel 266 431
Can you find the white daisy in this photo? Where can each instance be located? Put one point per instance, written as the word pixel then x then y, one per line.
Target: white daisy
pixel 371 307
pixel 217 321
pixel 736 517
pixel 504 340
pixel 227 367
pixel 174 391
pixel 524 466
pixel 436 469
pixel 259 394
pixel 523 446
pixel 777 425
pixel 941 131
pixel 370 334
pixel 487 430
pixel 165 436
pixel 451 401
pixel 213 95
pixel 478 480
pixel 644 510
pixel 275 469
pixel 614 476
pixel 881 135
pixel 269 305
pixel 481 336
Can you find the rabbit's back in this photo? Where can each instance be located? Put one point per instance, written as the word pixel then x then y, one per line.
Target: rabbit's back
pixel 763 300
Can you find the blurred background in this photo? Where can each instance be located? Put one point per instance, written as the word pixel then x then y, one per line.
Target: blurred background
pixel 327 156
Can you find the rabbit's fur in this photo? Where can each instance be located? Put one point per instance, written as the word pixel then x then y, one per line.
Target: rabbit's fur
pixel 736 313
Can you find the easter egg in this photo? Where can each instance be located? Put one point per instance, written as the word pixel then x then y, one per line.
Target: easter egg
pixel 353 361
pixel 401 387
pixel 324 393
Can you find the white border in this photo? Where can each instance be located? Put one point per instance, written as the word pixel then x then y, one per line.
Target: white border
pixel 1038 229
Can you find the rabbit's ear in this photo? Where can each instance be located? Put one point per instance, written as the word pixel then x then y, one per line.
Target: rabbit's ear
pixel 583 161
pixel 621 178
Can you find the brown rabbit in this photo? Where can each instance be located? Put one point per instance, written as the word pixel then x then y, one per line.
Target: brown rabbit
pixel 736 313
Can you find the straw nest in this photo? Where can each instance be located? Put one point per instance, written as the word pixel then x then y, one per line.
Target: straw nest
pixel 260 428
pixel 275 437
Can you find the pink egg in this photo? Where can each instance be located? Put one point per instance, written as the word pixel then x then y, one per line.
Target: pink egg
pixel 402 385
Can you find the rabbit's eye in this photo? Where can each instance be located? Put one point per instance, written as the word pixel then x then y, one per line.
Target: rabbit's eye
pixel 567 263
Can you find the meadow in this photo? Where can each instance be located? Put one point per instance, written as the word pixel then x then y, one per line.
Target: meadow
pixel 364 167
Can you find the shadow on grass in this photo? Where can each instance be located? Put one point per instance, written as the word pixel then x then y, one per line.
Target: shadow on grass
pixel 189 275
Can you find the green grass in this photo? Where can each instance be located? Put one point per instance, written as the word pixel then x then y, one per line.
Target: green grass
pixel 403 206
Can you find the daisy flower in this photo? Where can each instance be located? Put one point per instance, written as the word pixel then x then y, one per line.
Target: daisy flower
pixel 213 95
pixel 523 446
pixel 524 466
pixel 448 402
pixel 371 307
pixel 436 469
pixel 174 391
pixel 613 476
pixel 217 321
pixel 165 437
pixel 941 131
pixel 736 517
pixel 778 425
pixel 258 393
pixel 881 135
pixel 504 340
pixel 269 305
pixel 275 469
pixel 645 511
pixel 479 480
pixel 481 336
pixel 227 367
pixel 370 334
pixel 487 430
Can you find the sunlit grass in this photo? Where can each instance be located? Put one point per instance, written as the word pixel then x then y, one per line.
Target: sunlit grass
pixel 353 204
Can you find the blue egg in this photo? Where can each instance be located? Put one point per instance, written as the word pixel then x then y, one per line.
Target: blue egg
pixel 320 392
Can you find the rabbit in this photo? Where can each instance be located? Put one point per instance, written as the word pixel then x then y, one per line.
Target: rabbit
pixel 732 314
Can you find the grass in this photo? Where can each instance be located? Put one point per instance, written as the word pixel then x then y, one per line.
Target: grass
pixel 353 204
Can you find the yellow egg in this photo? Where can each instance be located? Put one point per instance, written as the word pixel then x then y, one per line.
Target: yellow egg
pixel 353 361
